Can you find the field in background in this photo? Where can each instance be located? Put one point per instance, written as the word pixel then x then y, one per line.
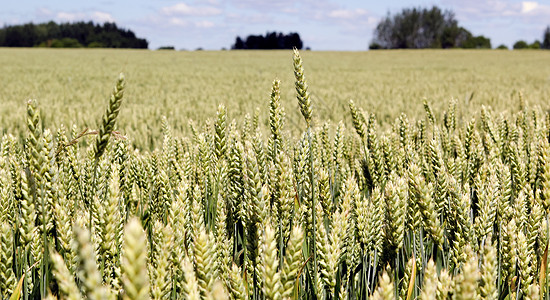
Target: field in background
pixel 73 85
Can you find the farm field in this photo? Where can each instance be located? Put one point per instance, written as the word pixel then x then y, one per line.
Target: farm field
pixel 71 85
pixel 432 183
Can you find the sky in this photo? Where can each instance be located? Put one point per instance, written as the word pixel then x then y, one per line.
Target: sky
pixel 322 24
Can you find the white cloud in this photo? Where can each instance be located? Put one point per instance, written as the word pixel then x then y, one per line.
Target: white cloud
pixel 74 16
pixel 183 9
pixel 266 5
pixel 475 9
pixel 204 24
pixel 213 2
pixel 528 6
pixel 356 21
pixel 178 22
pixel 102 17
pixel 254 18
pixel 535 8
pixel 182 22
pixel 347 13
pixel 69 16
pixel 372 20
pixel 44 12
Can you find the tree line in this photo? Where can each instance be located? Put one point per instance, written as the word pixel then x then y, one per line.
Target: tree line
pixel 412 28
pixel 271 40
pixel 545 44
pixel 70 35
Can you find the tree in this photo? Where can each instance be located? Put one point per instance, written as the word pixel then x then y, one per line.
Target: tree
pixel 414 28
pixel 535 45
pixel 477 42
pixel 453 36
pixel 546 38
pixel 502 47
pixel 271 40
pixel 239 44
pixel 75 34
pixel 520 45
pixel 418 28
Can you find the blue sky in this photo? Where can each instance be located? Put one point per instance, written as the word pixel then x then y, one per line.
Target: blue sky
pixel 322 24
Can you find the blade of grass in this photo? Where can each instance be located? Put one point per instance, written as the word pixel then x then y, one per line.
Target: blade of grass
pixel 542 274
pixel 412 279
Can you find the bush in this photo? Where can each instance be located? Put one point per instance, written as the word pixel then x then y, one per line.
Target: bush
pixel 95 45
pixel 65 43
pixel 375 46
pixel 521 45
pixel 477 42
pixel 535 45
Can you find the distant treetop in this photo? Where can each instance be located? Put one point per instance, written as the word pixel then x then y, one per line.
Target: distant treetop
pixel 418 28
pixel 271 40
pixel 70 35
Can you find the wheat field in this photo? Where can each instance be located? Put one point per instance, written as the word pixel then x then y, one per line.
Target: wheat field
pixel 71 85
pixel 386 175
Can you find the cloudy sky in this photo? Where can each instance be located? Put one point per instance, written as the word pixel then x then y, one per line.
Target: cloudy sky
pixel 322 24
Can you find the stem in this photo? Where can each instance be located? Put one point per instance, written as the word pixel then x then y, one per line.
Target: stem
pixel 44 240
pixel 374 267
pixel 313 210
pixel 96 164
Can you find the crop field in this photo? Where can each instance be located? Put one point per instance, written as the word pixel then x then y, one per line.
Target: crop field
pixel 71 85
pixel 274 175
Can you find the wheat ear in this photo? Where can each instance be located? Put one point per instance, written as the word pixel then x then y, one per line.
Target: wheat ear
pixel 135 279
pixel 109 118
pixel 302 88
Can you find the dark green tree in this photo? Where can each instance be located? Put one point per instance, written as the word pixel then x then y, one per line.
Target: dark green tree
pixel 417 28
pixel 477 42
pixel 546 38
pixel 271 40
pixel 521 45
pixel 453 36
pixel 535 45
pixel 76 34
